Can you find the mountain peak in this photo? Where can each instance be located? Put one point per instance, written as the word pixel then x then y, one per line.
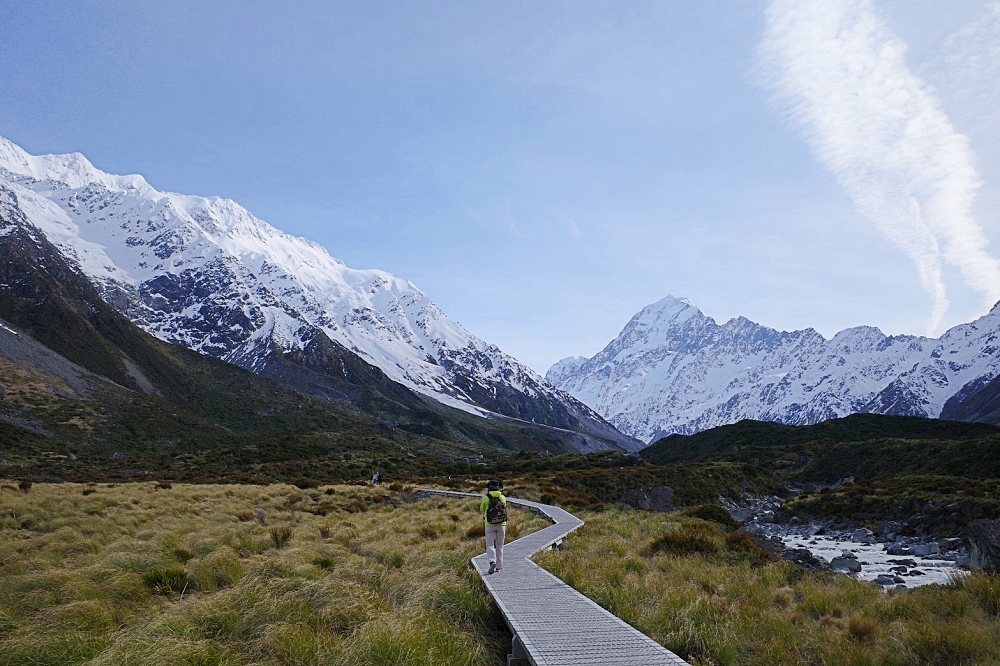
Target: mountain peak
pixel 71 169
pixel 673 370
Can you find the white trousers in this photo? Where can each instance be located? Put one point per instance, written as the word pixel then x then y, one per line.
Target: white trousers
pixel 494 543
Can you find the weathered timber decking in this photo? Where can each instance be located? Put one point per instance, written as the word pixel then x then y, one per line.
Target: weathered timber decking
pixel 553 624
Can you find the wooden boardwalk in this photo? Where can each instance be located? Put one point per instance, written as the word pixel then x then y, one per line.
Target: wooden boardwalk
pixel 553 624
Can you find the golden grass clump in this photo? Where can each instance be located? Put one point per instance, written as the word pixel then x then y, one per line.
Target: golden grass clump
pixel 706 594
pixel 130 574
pixel 280 536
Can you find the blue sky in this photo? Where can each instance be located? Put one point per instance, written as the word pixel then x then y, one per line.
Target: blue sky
pixel 544 170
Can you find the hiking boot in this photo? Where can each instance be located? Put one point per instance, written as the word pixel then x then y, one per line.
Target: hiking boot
pixel 493 568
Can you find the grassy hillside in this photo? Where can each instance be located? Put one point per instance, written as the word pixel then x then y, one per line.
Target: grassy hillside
pixel 865 446
pixel 231 575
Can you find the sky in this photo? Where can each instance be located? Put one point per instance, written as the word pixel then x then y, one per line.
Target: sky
pixel 543 170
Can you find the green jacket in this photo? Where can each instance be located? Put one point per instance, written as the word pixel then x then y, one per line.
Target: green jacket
pixel 484 503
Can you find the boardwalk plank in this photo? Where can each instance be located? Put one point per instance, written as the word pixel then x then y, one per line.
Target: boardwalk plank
pixel 555 624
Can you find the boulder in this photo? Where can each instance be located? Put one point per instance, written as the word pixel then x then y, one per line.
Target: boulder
pixel 845 565
pixel 803 557
pixel 924 549
pixel 984 545
pixel 659 499
pixel 950 544
pixel 886 579
pixel 862 535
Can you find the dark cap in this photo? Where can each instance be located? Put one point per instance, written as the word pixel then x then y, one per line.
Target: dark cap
pixel 494 485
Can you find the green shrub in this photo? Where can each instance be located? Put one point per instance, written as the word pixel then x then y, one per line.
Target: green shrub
pixel 686 540
pixel 715 514
pixel 24 485
pixel 166 580
pixel 742 545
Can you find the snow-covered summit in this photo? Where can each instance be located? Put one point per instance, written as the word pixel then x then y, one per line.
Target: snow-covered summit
pixel 71 169
pixel 205 273
pixel 673 369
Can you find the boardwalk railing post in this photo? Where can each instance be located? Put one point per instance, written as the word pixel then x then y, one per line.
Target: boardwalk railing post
pixel 518 655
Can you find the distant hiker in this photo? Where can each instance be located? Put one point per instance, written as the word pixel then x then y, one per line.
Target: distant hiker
pixel 377 479
pixel 493 506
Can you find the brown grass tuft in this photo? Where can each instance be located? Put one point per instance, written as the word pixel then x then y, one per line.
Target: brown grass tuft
pixel 861 628
pixel 280 536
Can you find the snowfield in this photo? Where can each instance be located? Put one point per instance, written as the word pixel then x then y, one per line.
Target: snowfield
pixel 674 370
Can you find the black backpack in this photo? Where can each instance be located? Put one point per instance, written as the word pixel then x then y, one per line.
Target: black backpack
pixel 496 512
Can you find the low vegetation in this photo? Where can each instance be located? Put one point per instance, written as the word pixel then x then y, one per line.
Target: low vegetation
pixel 941 505
pixel 865 446
pixel 709 594
pixel 214 574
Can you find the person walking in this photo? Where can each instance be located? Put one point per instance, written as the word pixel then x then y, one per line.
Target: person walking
pixel 493 506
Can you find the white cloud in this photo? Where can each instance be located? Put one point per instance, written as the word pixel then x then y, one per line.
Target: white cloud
pixel 968 71
pixel 842 78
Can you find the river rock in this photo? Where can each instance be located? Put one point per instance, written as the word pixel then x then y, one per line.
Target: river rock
pixel 984 545
pixel 886 579
pixel 845 565
pixel 803 557
pixel 924 549
pixel 862 535
pixel 659 499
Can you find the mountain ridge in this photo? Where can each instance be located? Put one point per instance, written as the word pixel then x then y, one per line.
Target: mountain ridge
pixel 672 369
pixel 206 274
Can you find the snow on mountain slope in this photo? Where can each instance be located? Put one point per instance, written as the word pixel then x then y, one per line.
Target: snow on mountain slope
pixel 204 273
pixel 673 369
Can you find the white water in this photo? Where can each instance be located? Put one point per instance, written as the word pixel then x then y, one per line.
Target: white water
pixel 874 560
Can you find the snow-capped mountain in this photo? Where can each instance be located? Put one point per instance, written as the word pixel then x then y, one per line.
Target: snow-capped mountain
pixel 674 370
pixel 206 274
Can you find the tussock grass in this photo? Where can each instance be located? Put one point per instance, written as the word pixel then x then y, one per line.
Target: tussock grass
pixel 710 596
pixel 133 574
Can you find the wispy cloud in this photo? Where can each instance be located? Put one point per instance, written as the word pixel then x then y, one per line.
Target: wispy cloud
pixel 841 77
pixel 968 72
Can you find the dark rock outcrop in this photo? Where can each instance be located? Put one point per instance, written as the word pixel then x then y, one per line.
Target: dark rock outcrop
pixel 984 545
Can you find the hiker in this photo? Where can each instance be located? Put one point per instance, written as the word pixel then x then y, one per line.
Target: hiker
pixel 493 506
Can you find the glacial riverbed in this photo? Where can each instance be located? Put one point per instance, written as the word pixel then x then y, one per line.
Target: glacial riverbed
pixel 904 570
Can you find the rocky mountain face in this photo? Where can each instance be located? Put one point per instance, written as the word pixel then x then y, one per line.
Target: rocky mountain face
pixel 674 370
pixel 204 273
